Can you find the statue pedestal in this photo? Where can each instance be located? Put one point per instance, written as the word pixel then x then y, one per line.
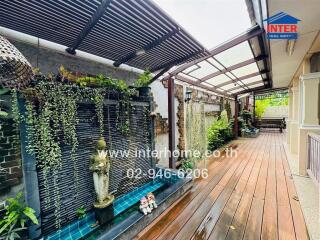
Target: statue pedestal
pixel 104 211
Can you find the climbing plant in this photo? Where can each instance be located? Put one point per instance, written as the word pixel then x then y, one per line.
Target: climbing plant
pixel 196 131
pixel 51 119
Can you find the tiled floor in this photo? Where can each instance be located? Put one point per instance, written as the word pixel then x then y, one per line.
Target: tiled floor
pixel 76 230
pixel 82 227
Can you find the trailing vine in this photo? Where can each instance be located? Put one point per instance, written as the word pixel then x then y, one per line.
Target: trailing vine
pixel 146 114
pixel 51 119
pixel 15 107
pixel 98 100
pixel 123 109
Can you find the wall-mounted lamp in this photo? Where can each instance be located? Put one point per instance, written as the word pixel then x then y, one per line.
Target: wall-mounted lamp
pixel 290 46
pixel 188 96
pixel 140 52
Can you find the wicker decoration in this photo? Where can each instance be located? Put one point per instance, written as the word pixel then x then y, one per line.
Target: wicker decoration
pixel 15 70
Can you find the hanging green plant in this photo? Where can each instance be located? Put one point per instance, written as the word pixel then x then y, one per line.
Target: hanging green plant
pixel 15 107
pixel 51 119
pixel 98 100
pixel 123 109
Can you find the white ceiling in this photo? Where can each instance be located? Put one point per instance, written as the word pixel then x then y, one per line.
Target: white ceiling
pixel 284 66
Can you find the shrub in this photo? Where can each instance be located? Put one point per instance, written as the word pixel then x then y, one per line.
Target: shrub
pixel 220 132
pixel 143 79
pixel 16 217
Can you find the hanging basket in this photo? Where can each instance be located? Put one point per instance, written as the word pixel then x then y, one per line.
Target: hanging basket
pixel 15 70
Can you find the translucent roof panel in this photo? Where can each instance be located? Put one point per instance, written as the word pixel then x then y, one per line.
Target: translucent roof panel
pixel 236 54
pixel 251 68
pixel 230 86
pixel 205 69
pixel 252 79
pixel 234 66
pixel 188 76
pixel 207 84
pixel 218 79
pixel 215 63
pixel 190 69
pixel 230 75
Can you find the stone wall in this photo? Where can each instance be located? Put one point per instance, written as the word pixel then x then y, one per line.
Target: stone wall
pixel 49 61
pixel 10 157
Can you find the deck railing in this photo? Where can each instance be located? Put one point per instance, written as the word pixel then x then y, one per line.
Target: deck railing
pixel 314 156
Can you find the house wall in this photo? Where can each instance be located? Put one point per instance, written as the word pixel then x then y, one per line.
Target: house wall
pixel 48 61
pixel 304 110
pixel 160 93
pixel 10 160
pixel 276 112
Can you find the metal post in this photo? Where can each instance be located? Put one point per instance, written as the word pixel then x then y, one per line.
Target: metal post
pixel 171 120
pixel 254 109
pixel 236 112
pixel 30 177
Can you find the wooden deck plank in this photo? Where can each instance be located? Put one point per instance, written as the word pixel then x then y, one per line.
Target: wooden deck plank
pixel 221 228
pixel 239 222
pixel 175 226
pixel 270 221
pixel 213 215
pixel 216 169
pixel 260 190
pixel 250 196
pixel 253 229
pixel 202 215
pixel 285 218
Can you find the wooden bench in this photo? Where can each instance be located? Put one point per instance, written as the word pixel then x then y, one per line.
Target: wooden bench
pixel 270 123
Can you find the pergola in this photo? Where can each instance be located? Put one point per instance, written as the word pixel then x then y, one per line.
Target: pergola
pixel 238 66
pixel 138 33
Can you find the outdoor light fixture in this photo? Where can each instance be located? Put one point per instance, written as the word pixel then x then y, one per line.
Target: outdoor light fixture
pixel 188 96
pixel 290 46
pixel 140 52
pixel 15 70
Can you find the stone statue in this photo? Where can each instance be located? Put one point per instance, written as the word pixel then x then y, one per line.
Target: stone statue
pixel 100 166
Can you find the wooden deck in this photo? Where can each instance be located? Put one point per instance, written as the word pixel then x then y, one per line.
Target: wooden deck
pixel 251 196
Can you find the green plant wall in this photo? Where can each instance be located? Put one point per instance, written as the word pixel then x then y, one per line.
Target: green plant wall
pixel 196 130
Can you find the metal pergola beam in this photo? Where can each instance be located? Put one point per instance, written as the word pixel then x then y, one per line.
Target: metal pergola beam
pixel 87 29
pixel 211 89
pixel 239 79
pixel 248 85
pixel 252 32
pixel 251 90
pixel 171 122
pixel 146 48
pixel 233 67
pixel 177 61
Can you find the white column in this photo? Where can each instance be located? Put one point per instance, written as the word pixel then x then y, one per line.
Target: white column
pixel 310 99
pixel 289 115
pixel 294 123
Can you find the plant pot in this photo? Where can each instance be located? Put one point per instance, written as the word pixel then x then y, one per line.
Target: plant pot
pixel 144 91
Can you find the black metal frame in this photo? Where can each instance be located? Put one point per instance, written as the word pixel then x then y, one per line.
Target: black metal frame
pixel 261 59
pixel 113 29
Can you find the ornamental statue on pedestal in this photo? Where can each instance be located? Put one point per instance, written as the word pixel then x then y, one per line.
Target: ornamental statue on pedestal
pixel 100 166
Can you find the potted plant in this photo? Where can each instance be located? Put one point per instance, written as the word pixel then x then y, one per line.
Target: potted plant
pixel 142 83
